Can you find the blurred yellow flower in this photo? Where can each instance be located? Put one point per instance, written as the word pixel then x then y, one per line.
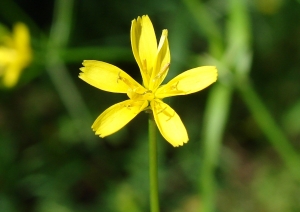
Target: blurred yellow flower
pixel 153 61
pixel 15 54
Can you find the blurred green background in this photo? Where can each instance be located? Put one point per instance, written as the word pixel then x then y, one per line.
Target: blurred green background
pixel 243 152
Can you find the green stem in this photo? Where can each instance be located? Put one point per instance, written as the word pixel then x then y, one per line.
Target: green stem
pixel 207 25
pixel 154 202
pixel 269 127
pixel 58 72
pixel 215 119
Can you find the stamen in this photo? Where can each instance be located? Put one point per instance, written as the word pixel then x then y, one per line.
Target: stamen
pixel 166 113
pixel 124 80
pixel 171 116
pixel 119 77
pixel 162 110
pixel 148 91
pixel 174 87
pixel 162 71
pixel 128 106
pixel 144 65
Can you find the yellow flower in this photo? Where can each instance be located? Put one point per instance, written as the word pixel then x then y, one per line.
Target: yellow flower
pixel 15 54
pixel 153 61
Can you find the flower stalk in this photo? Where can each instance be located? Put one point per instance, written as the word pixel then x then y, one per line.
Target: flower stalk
pixel 153 175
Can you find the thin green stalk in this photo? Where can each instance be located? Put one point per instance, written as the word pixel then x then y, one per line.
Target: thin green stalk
pixel 57 70
pixel 269 127
pixel 207 25
pixel 154 202
pixel 216 113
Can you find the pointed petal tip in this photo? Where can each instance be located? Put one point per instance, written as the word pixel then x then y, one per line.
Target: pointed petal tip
pixel 145 16
pixel 82 69
pixel 81 74
pixel 179 143
pixel 165 32
pixel 140 18
pixel 88 62
pixel 98 133
pixel 216 72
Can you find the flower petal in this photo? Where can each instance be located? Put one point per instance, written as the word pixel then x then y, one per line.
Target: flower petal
pixel 144 45
pixel 11 75
pixel 162 62
pixel 7 56
pixel 190 81
pixel 169 123
pixel 22 43
pixel 117 116
pixel 107 77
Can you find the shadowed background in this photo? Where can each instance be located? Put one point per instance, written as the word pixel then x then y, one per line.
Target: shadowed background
pixel 244 130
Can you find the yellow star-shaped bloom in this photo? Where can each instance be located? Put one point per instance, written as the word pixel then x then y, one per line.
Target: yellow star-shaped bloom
pixel 15 54
pixel 153 61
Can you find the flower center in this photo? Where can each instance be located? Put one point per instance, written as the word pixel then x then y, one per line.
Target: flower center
pixel 138 94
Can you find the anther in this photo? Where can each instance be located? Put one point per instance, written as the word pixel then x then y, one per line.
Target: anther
pixel 148 91
pixel 162 71
pixel 119 77
pixel 174 87
pixel 144 65
pixel 166 113
pixel 128 106
pixel 162 110
pixel 124 80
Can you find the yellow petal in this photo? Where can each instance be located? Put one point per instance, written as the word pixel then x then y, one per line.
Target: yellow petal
pixel 7 56
pixel 21 34
pixel 144 45
pixel 22 42
pixel 117 116
pixel 188 82
pixel 11 75
pixel 169 123
pixel 107 77
pixel 15 55
pixel 162 62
